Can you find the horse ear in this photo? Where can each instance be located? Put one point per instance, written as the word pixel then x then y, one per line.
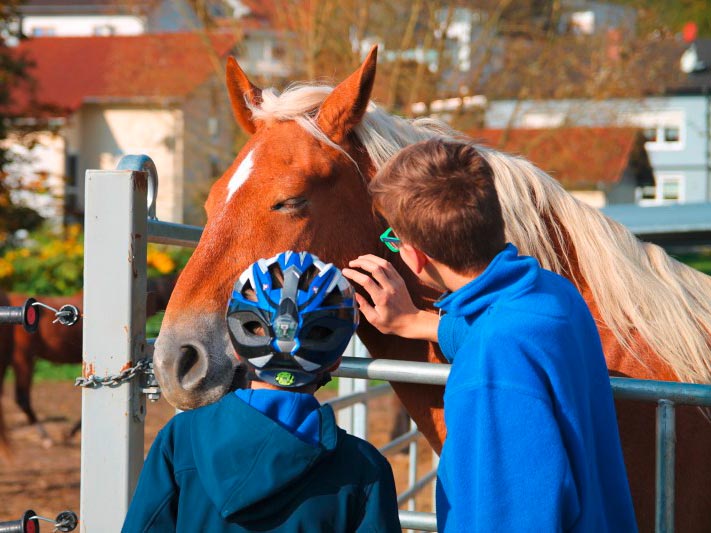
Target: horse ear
pixel 345 106
pixel 241 90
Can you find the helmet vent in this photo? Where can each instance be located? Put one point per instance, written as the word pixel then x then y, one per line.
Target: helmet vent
pixel 249 293
pixel 307 277
pixel 255 328
pixel 277 276
pixel 318 333
pixel 333 299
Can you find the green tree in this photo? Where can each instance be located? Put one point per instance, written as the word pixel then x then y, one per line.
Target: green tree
pixel 13 74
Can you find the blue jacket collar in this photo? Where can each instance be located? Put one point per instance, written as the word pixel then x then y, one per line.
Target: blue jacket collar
pixel 506 275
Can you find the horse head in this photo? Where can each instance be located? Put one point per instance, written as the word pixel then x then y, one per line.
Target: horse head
pixel 300 183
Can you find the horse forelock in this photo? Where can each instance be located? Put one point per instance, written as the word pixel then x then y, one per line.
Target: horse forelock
pixel 381 134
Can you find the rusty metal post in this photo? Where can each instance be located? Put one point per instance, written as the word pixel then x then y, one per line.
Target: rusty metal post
pixel 666 454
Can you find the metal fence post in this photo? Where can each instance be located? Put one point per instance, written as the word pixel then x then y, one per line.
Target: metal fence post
pixel 354 419
pixel 114 339
pixel 666 455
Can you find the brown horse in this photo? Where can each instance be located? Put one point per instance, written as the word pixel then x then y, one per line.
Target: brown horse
pixel 57 344
pixel 300 183
pixel 53 342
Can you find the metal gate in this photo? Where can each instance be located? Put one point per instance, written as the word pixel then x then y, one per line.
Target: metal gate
pixel 117 230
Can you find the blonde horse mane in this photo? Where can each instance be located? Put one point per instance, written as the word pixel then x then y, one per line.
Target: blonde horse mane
pixel 643 295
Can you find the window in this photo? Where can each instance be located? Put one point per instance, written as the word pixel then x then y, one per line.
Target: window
pixel 669 189
pixel 650 135
pixel 671 134
pixel 104 30
pixel 663 130
pixel 538 120
pixel 43 31
pixel 213 127
pixel 582 22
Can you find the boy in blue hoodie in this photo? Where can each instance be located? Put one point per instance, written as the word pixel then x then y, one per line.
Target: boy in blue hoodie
pixel 271 458
pixel 532 440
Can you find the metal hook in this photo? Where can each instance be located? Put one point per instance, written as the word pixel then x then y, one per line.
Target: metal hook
pixel 143 163
pixel 67 315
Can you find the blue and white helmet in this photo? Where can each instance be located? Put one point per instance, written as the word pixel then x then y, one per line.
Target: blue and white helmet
pixel 290 318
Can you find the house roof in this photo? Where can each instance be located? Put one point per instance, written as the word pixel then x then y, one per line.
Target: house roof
pixel 69 71
pixel 579 157
pixel 46 7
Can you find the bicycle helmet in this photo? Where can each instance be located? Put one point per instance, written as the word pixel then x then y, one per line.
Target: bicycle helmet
pixel 290 318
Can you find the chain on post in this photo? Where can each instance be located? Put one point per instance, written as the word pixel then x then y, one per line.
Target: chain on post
pixel 94 381
pixel 143 367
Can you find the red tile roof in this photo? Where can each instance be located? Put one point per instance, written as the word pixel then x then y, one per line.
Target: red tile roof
pixel 71 70
pixel 579 157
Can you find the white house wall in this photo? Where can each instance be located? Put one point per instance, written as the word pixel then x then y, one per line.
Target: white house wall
pixel 109 132
pixel 209 145
pixel 81 25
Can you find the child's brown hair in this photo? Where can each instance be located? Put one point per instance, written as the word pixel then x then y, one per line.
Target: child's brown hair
pixel 439 196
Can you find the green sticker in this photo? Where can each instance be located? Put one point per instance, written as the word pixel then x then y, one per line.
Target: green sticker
pixel 284 378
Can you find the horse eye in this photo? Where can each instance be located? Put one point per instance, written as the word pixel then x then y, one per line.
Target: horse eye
pixel 290 204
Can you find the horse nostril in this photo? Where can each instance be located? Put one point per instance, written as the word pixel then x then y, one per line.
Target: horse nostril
pixel 192 366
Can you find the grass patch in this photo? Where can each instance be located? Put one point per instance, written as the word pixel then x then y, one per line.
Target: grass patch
pixel 153 325
pixel 699 260
pixel 46 371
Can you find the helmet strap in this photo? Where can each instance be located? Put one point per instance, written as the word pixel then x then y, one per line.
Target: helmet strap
pixel 323 379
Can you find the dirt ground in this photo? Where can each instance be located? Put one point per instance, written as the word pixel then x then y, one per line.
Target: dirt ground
pixel 47 479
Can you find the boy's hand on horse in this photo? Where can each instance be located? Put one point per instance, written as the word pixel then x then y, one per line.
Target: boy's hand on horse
pixel 392 311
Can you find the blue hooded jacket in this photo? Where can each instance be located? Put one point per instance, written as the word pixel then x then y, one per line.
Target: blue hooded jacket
pixel 532 440
pixel 262 461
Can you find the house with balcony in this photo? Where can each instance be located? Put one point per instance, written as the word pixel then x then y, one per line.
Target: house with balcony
pixel 675 121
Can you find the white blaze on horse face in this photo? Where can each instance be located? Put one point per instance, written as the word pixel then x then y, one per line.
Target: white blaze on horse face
pixel 240 176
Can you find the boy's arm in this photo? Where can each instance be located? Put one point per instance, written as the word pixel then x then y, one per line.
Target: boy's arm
pixel 505 466
pixel 154 503
pixel 381 511
pixel 392 311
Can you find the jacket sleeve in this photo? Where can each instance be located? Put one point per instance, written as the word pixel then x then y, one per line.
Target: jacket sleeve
pixel 381 510
pixel 154 504
pixel 504 465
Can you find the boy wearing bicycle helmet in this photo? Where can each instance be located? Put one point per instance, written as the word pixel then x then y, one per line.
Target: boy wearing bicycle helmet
pixel 532 441
pixel 271 458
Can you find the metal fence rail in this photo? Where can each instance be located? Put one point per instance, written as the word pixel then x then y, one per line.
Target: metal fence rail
pixel 115 265
pixel 666 394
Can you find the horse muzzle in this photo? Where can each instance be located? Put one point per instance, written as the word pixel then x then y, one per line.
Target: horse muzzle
pixel 193 372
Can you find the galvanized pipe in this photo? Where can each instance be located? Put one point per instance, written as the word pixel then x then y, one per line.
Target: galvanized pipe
pixel 412 481
pixel 400 442
pixel 391 370
pixel 418 521
pixel 666 454
pixel 436 374
pixel 652 391
pixel 175 234
pixel 417 487
pixel 342 402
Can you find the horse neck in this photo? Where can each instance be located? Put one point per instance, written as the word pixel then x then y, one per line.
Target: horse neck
pixel 619 358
